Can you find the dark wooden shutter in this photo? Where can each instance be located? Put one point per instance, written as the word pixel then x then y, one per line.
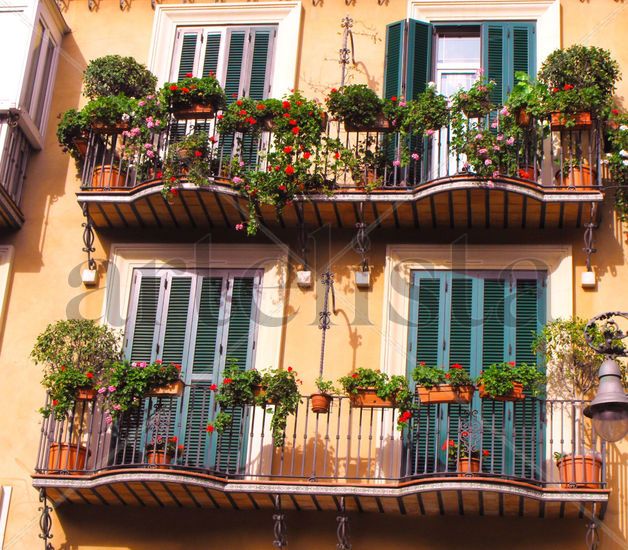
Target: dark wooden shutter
pixel 495 64
pixel 419 55
pixel 393 76
pixel 212 52
pixel 187 59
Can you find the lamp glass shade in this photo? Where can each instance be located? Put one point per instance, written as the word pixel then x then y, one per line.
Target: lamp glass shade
pixel 610 422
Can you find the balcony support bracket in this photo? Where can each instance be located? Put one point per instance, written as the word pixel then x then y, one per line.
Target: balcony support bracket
pixel 342 529
pixel 88 238
pixel 279 527
pixel 45 520
pixel 593 536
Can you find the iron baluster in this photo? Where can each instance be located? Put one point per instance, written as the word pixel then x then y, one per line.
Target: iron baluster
pixel 324 323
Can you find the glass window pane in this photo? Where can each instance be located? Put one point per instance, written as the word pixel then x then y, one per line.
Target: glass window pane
pixel 43 88
pixel 32 70
pixel 458 49
pixel 450 83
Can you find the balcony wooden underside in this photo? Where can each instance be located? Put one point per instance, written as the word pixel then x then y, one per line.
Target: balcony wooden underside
pixel 11 216
pixel 473 496
pixel 459 202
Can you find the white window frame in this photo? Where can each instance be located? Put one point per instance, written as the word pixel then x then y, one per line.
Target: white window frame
pixel 286 16
pixel 546 14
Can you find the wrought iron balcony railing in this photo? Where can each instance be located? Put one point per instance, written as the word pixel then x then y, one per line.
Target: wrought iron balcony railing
pixel 565 159
pixel 349 445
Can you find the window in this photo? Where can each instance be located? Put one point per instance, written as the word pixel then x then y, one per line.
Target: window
pixel 450 54
pixel 240 57
pixel 203 320
pixel 476 319
pixel 37 88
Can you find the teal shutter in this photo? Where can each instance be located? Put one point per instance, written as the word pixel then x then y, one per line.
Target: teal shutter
pixel 393 63
pixel 143 331
pixel 231 448
pixel 508 48
pixel 419 67
pixel 212 52
pixel 232 86
pixel 187 59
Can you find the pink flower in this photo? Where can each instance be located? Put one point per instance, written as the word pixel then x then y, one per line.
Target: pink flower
pixel 117 407
pixel 402 104
pixel 510 140
pixel 108 418
pixel 500 137
pixel 466 166
pixel 141 103
pixel 479 136
pixel 111 389
pixel 430 132
pixel 102 390
pixel 150 154
pixel 504 111
pixel 496 174
pixel 496 148
pixel 482 151
pixel 237 180
pixel 488 162
pixel 415 156
pixel 239 226
pixel 490 184
pixel 494 124
pixel 396 163
pixel 148 146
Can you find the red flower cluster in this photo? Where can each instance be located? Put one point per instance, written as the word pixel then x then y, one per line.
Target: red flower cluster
pixel 306 155
pixel 524 174
pixel 448 443
pixel 210 428
pixel 404 417
pixel 198 154
pixel 227 381
pixel 289 170
pixel 90 375
pixel 173 87
pixel 285 104
pixel 456 366
pixel 568 87
pixel 486 452
pixel 213 387
pixel 188 75
pixel 287 149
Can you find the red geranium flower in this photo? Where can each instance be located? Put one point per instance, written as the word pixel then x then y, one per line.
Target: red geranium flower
pixel 174 192
pixel 333 90
pixel 55 402
pixel 219 117
pixel 615 111
pixel 173 179
pixel 568 87
pixel 260 107
pixel 512 363
pixel 292 122
pixel 393 98
pixel 448 375
pixel 159 175
pixel 285 104
pixel 295 130
pixel 287 149
pixel 282 187
pixel 185 90
pixel 239 103
pixel 90 375
pixel 173 87
pixel 289 369
pixel 188 75
pixel 213 387
pixel 198 154
pixel 210 428
pixel 227 381
pixel 422 363
pixel 242 112
pixel 456 366
pixel 289 170
pixel 524 174
pixel 354 375
pixel 336 155
pixel 555 90
pixel 486 452
pixel 307 155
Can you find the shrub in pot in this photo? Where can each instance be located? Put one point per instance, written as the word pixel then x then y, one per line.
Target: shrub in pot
pixel 580 470
pixel 72 133
pixel 474 102
pixel 426 114
pixel 321 400
pixel 74 354
pixel 162 450
pixel 112 75
pixel 187 159
pixel 465 454
pixel 110 114
pixel 358 107
pixel 527 100
pixel 506 381
pixel 194 97
pixel 434 385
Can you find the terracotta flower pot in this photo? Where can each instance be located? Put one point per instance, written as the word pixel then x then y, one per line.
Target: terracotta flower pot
pixel 158 457
pixel 381 124
pixel 175 389
pixel 195 110
pixel 580 471
pixel 368 398
pixel 81 145
pixel 468 466
pixel 581 120
pixel 445 393
pixel 260 391
pixel 107 175
pixel 515 395
pixel 524 119
pixel 320 403
pixel 66 457
pixel 578 176
pixel 85 394
pixel 102 128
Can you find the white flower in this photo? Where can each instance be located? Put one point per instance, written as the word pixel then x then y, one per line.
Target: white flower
pixel 431 84
pixel 626 163
pixel 623 127
pixel 623 153
pixel 126 117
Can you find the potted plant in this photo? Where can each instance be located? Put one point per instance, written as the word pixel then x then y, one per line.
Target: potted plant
pixel 426 114
pixel 434 385
pixel 245 115
pixel 161 450
pixel 527 99
pixel 572 374
pixel 582 82
pixel 617 160
pixel 187 159
pixel 474 102
pixel 125 384
pixel 574 173
pixel 112 75
pixel 74 354
pixel 110 114
pixel 465 455
pixel 368 388
pixel 321 401
pixel 506 381
pixel 72 133
pixel 358 107
pixel 194 97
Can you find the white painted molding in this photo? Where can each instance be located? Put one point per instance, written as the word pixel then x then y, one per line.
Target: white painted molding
pixel 546 13
pixel 5 499
pixel 286 15
pixel 6 265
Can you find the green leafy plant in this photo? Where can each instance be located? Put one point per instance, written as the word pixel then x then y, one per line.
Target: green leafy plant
pixel 169 445
pixel 474 102
pixel 463 449
pixel 74 354
pixel 126 383
pixel 238 386
pixel 617 160
pixel 110 110
pixel 498 378
pixel 395 111
pixel 194 91
pixel 355 104
pixel 112 75
pixel 325 387
pixel 72 126
pixel 429 377
pixel 426 114
pixel 390 388
pixel 187 160
pixel 282 391
pixel 528 96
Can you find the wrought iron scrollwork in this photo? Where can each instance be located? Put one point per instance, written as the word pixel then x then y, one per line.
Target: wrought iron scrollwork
pixel 346 53
pixel 45 520
pixel 343 533
pixel 611 341
pixel 324 319
pixel 589 249
pixel 279 525
pixel 362 244
pixel 88 238
pixel 93 4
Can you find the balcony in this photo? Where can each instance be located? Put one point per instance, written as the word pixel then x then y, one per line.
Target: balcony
pixel 15 150
pixel 432 191
pixel 351 455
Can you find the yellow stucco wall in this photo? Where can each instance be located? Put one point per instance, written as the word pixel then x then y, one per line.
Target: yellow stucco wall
pixel 45 286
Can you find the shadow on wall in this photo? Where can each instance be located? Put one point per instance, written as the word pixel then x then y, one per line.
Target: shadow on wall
pixel 617 474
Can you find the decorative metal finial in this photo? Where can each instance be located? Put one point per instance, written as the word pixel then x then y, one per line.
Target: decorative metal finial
pixel 607 339
pixel 346 53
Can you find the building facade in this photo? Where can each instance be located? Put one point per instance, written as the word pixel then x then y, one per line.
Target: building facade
pixel 427 265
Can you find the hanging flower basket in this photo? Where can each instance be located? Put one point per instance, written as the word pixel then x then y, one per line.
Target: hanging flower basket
pixel 66 457
pixel 174 389
pixel 320 403
pixel 445 393
pixel 515 395
pixel 85 394
pixel 572 121
pixel 194 110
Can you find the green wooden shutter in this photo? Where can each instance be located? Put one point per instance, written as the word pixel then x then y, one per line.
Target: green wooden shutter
pixel 143 331
pixel 231 449
pixel 212 52
pixel 393 64
pixel 523 49
pixel 200 401
pixel 419 54
pixel 495 63
pixel 187 59
pixel 232 86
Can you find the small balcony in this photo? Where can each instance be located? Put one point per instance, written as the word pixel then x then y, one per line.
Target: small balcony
pixel 14 153
pixel 559 180
pixel 352 454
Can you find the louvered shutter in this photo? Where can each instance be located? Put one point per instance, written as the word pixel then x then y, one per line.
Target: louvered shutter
pixel 495 62
pixel 419 67
pixel 231 450
pixel 393 64
pixel 212 53
pixel 425 337
pixel 187 57
pixel 523 49
pixel 199 402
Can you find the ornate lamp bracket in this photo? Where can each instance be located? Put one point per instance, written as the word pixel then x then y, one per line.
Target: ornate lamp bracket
pixel 45 520
pixel 279 525
pixel 343 532
pixel 612 344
